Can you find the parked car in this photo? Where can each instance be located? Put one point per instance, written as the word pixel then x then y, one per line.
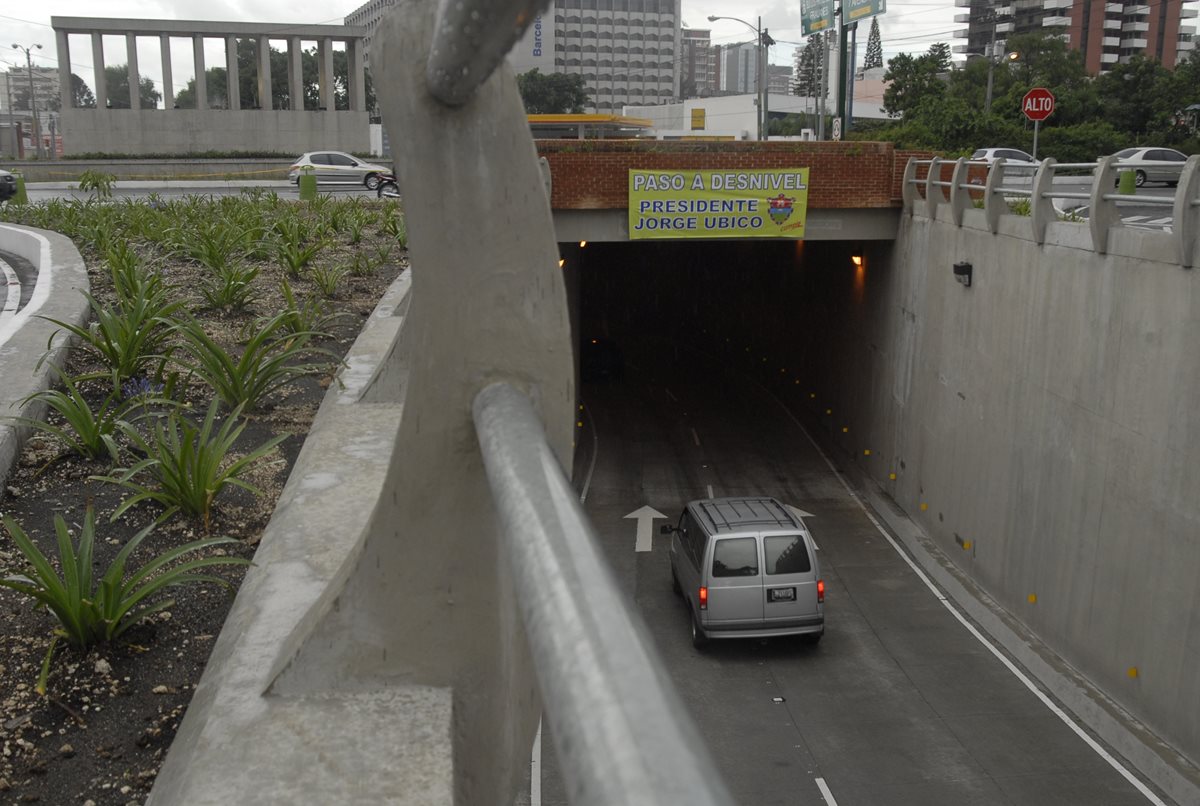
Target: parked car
pixel 1152 164
pixel 8 185
pixel 747 568
pixel 337 167
pixel 1011 156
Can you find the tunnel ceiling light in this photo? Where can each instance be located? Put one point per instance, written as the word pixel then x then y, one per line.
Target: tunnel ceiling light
pixel 562 262
pixel 856 260
pixel 582 244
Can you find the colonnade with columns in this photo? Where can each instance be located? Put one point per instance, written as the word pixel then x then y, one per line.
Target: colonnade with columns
pixel 262 33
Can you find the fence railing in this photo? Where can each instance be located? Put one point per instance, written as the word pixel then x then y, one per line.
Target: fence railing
pixel 975 184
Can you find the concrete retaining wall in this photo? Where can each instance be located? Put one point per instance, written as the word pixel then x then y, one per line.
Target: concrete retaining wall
pixel 1042 427
pixel 135 169
pixel 158 131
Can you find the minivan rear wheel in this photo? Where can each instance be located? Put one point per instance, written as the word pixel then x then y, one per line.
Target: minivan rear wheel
pixel 675 584
pixel 699 639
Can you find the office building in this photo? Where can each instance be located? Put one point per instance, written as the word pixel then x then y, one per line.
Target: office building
pixel 1106 32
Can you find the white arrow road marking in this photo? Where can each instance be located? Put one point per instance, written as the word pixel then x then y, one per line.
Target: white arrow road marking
pixel 798 512
pixel 695 438
pixel 645 526
pixel 709 488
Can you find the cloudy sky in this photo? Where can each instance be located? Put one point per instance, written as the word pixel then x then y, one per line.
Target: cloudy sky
pixel 909 26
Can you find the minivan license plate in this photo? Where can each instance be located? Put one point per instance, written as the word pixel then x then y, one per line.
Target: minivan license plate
pixel 781 595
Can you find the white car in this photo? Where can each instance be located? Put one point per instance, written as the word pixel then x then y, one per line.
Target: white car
pixel 337 167
pixel 1152 164
pixel 1011 156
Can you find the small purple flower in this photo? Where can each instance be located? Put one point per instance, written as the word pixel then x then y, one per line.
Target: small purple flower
pixel 140 387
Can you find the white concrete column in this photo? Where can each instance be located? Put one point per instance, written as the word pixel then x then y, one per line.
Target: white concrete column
pixel 325 73
pixel 264 73
pixel 65 96
pixel 295 75
pixel 201 81
pixel 356 75
pixel 101 88
pixel 168 86
pixel 233 84
pixel 135 78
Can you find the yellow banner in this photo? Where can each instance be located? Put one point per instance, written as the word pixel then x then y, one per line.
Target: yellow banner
pixel 738 203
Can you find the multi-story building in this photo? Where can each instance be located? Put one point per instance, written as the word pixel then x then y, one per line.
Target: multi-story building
pixel 15 84
pixel 1108 32
pixel 779 81
pixel 368 16
pixel 698 67
pixel 739 68
pixel 627 51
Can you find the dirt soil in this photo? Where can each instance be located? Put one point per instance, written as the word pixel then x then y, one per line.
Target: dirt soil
pixel 101 731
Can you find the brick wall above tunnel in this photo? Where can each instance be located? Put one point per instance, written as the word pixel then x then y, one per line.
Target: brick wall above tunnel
pixel 594 174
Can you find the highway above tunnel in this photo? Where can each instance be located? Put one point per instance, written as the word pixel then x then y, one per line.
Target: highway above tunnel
pixel 904 701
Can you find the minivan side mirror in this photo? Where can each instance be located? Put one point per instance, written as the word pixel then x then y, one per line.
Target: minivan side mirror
pixel 666 529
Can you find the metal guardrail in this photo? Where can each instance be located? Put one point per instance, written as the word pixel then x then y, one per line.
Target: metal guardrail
pixel 924 186
pixel 622 734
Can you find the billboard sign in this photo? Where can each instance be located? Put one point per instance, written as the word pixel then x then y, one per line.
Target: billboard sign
pixel 816 16
pixel 855 10
pixel 746 203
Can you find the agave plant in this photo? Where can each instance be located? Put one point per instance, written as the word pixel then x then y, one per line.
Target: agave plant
pixel 90 611
pixel 187 465
pixel 84 431
pixel 231 287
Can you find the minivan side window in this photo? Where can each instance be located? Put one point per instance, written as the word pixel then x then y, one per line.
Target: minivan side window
pixel 786 554
pixel 735 557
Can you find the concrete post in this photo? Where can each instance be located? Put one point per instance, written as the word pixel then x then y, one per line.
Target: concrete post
pixel 66 97
pixel 168 83
pixel 434 536
pixel 233 84
pixel 295 75
pixel 201 79
pixel 325 73
pixel 265 100
pixel 356 76
pixel 101 86
pixel 135 78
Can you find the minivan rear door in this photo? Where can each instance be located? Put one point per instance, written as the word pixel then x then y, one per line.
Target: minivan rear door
pixel 789 580
pixel 735 596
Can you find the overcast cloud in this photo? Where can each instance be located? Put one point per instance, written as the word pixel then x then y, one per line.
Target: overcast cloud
pixel 907 27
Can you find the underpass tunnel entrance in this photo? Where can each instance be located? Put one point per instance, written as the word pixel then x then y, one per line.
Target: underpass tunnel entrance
pixel 788 310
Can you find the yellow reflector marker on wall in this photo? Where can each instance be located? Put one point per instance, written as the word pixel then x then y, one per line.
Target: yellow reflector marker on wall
pixel 1132 672
pixel 1032 598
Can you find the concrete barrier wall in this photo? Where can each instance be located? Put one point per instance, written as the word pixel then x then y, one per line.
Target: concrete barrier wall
pixel 1042 427
pixel 158 131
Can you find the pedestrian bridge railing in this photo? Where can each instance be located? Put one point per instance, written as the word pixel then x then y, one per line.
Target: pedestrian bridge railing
pixel 999 188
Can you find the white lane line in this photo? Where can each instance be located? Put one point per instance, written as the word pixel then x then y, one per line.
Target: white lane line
pixel 535 770
pixel 710 495
pixel 587 480
pixel 1021 676
pixel 41 288
pixel 695 438
pixel 825 793
pixel 673 398
pixel 13 283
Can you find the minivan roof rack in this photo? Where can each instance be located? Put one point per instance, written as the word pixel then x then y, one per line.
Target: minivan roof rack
pixel 728 514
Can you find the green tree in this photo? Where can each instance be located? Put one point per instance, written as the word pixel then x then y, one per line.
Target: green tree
pixel 116 79
pixel 1138 97
pixel 553 94
pixel 807 82
pixel 874 57
pixel 915 81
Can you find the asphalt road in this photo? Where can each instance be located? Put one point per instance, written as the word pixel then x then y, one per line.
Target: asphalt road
pixel 899 704
pixel 17 278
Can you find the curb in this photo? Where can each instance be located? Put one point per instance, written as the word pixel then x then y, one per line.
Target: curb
pixel 61 274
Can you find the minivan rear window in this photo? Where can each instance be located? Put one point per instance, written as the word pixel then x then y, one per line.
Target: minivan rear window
pixel 786 554
pixel 735 557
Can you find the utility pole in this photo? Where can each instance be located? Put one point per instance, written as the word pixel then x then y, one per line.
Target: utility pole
pixel 37 134
pixel 991 57
pixel 762 89
pixel 12 117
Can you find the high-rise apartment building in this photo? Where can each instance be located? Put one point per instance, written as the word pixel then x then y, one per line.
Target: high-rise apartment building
pixel 739 68
pixel 627 51
pixel 698 67
pixel 1108 32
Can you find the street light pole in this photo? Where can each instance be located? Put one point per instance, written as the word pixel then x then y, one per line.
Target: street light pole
pixel 760 71
pixel 991 57
pixel 37 134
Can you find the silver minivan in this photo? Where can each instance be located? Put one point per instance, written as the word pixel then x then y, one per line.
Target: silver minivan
pixel 747 568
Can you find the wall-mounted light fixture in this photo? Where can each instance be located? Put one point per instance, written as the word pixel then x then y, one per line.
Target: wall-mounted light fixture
pixel 856 260
pixel 962 273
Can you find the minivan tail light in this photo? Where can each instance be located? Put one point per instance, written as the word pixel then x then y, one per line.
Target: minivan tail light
pixel 820 591
pixel 704 598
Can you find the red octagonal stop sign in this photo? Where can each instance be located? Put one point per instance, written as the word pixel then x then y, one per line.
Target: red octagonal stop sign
pixel 1038 103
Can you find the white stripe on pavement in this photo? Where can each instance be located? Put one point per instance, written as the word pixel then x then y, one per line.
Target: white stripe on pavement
pixel 825 793
pixel 13 299
pixel 41 288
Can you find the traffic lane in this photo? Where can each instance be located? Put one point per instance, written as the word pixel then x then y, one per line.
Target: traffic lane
pixel 899 704
pixel 178 191
pixel 17 279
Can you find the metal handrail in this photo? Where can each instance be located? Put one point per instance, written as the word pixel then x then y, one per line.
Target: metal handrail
pixel 621 732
